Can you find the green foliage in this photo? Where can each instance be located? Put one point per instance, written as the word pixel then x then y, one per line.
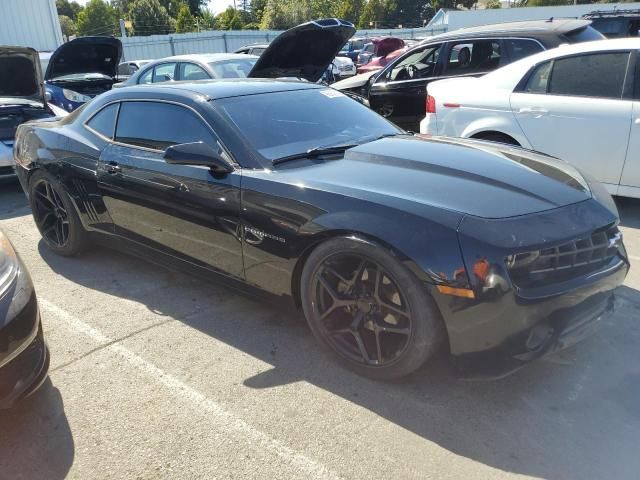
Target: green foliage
pixel 67 26
pixel 149 17
pixel 185 21
pixel 374 14
pixel 230 19
pixel 493 4
pixel 68 9
pixel 349 10
pixel 251 26
pixel 256 10
pixel 282 14
pixel 97 18
pixel 207 21
pixel 196 6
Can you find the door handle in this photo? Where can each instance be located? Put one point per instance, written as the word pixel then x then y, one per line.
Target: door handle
pixel 537 111
pixel 113 168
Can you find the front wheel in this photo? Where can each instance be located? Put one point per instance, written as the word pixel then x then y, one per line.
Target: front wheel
pixel 369 309
pixel 55 215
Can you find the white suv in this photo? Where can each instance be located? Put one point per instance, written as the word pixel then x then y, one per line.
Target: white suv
pixel 580 103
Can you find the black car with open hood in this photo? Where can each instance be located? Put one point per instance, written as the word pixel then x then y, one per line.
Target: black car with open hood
pixel 304 51
pixel 22 98
pixel 81 69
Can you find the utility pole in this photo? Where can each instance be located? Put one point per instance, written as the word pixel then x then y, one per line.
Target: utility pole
pixel 123 31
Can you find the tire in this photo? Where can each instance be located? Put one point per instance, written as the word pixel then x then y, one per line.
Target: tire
pixel 373 296
pixel 55 215
pixel 498 138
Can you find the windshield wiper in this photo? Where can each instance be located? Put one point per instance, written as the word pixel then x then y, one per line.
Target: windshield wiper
pixel 315 152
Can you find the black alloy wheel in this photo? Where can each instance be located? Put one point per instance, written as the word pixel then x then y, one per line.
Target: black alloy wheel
pixel 369 309
pixel 50 213
pixel 55 215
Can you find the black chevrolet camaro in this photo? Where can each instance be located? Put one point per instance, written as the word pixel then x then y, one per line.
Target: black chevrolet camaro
pixel 391 244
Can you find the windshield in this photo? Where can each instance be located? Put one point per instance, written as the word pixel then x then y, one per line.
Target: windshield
pixel 237 68
pixel 280 124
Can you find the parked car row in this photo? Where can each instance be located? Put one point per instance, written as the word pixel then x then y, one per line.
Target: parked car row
pixel 580 103
pixel 392 245
pixel 398 91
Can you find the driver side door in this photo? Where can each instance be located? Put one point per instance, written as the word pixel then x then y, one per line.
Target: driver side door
pixel 182 211
pixel 399 93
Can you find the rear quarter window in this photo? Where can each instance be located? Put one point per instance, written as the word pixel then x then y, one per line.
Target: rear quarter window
pixel 584 34
pixel 104 122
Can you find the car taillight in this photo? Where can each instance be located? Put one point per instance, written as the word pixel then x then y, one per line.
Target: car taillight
pixel 431 104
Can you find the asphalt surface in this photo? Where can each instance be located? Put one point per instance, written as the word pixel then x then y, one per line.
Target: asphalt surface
pixel 158 375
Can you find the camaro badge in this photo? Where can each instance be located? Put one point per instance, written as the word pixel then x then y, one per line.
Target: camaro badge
pixel 257 236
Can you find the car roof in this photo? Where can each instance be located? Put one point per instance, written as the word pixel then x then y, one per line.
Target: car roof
pixel 222 88
pixel 533 27
pixel 630 43
pixel 204 57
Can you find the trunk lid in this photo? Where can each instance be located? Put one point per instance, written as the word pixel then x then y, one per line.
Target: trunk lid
pixel 304 51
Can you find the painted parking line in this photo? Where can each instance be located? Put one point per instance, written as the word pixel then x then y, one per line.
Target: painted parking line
pixel 633 257
pixel 226 419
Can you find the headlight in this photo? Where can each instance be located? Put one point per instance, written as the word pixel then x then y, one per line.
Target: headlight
pixel 75 96
pixel 8 264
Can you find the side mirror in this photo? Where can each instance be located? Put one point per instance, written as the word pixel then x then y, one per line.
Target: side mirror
pixel 198 153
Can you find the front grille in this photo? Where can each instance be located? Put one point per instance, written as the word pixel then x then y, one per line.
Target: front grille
pixel 567 261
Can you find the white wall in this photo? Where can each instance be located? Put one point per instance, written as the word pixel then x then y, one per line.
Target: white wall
pixel 30 23
pixel 470 18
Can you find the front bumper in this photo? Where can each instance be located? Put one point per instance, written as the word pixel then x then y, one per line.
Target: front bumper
pixel 6 161
pixel 23 375
pixel 24 359
pixel 507 325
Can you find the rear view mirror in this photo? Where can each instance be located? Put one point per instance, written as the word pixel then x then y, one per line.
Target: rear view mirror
pixel 197 153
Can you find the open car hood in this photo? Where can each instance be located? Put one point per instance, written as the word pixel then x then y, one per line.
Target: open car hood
pixel 304 51
pixel 85 55
pixel 20 75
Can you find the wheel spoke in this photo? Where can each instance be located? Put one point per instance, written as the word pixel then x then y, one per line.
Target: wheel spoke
pixel 357 275
pixel 393 308
pixel 378 345
pixel 357 321
pixel 58 226
pixel 41 196
pixel 361 347
pixel 400 330
pixel 336 274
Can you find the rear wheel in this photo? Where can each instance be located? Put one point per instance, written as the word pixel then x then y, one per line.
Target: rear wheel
pixel 55 215
pixel 369 309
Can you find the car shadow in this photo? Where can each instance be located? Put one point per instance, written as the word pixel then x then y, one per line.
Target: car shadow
pixel 35 438
pixel 13 201
pixel 629 209
pixel 573 415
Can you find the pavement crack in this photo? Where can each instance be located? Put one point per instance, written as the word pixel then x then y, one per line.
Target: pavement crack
pixel 110 343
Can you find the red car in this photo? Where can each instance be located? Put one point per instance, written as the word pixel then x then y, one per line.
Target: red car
pixel 379 62
pixel 378 47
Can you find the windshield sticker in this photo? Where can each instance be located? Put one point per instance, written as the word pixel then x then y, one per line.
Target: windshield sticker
pixel 331 93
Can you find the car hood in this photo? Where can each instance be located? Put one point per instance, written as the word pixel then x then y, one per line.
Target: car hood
pixel 354 82
pixel 20 76
pixel 304 51
pixel 85 55
pixel 469 177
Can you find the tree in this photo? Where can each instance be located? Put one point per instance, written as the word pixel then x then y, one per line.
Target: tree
pixel 185 21
pixel 274 16
pixel 67 26
pixel 196 6
pixel 97 18
pixel 493 4
pixel 349 10
pixel 68 9
pixel 256 10
pixel 230 19
pixel 373 15
pixel 208 20
pixel 148 17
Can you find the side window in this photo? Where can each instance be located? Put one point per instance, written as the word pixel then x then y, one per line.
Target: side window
pixel 104 122
pixel 539 79
pixel 159 125
pixel 123 69
pixel 164 72
pixel 473 57
pixel 598 75
pixel 520 48
pixel 420 63
pixel 146 77
pixel 191 71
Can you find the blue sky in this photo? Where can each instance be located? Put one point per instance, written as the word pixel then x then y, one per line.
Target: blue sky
pixel 216 6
